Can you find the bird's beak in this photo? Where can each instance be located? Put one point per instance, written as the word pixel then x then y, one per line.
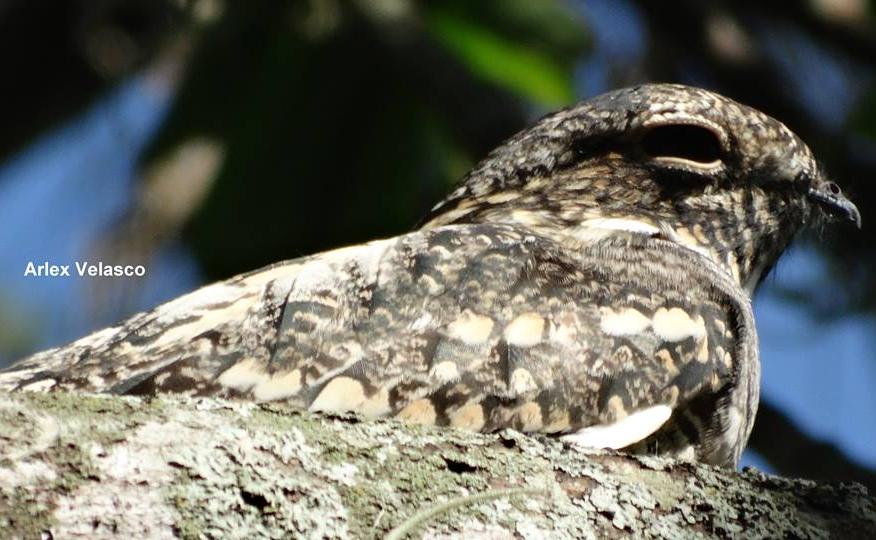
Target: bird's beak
pixel 835 203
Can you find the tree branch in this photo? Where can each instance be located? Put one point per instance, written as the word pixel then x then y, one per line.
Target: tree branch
pixel 105 466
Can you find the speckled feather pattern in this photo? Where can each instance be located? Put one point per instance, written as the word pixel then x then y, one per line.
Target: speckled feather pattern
pixel 569 282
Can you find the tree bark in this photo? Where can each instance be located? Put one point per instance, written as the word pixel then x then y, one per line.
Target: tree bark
pixel 104 466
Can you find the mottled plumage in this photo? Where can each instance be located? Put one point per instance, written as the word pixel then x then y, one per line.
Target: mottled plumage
pixel 591 278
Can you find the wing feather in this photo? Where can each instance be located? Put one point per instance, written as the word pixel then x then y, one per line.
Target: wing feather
pixel 477 326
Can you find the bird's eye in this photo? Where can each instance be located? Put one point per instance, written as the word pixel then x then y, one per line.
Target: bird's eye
pixel 684 144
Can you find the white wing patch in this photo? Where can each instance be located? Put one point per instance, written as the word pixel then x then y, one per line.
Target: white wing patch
pixel 344 394
pixel 626 431
pixel 525 330
pixel 597 228
pixel 625 322
pixel 470 328
pixel 675 324
pixel 243 375
pixel 280 386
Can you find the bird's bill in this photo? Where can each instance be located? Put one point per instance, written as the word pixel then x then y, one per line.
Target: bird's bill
pixel 836 205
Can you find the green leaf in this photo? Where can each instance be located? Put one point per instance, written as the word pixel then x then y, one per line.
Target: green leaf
pixel 518 68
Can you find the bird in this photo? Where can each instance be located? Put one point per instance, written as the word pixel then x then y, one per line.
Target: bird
pixel 590 279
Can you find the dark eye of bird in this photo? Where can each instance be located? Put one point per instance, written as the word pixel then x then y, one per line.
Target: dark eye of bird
pixel 682 141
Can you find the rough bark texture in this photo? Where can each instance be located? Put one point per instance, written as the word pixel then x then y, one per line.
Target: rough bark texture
pixel 99 466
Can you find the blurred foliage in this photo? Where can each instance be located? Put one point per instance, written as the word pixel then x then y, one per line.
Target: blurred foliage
pixel 347 125
pixel 515 47
pixel 18 328
pixel 58 55
pixel 342 120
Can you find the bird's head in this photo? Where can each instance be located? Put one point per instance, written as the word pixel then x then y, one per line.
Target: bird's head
pixel 665 160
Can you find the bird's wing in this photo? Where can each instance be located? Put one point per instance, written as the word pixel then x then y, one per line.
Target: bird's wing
pixel 477 326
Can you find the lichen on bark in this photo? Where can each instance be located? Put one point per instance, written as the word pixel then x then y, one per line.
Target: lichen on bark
pixel 169 467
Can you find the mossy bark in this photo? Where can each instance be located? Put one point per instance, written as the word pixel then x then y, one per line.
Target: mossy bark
pixel 103 466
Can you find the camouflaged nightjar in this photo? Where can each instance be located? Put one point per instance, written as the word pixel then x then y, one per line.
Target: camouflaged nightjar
pixel 591 278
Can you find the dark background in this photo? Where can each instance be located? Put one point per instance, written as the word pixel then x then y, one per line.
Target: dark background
pixel 205 138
